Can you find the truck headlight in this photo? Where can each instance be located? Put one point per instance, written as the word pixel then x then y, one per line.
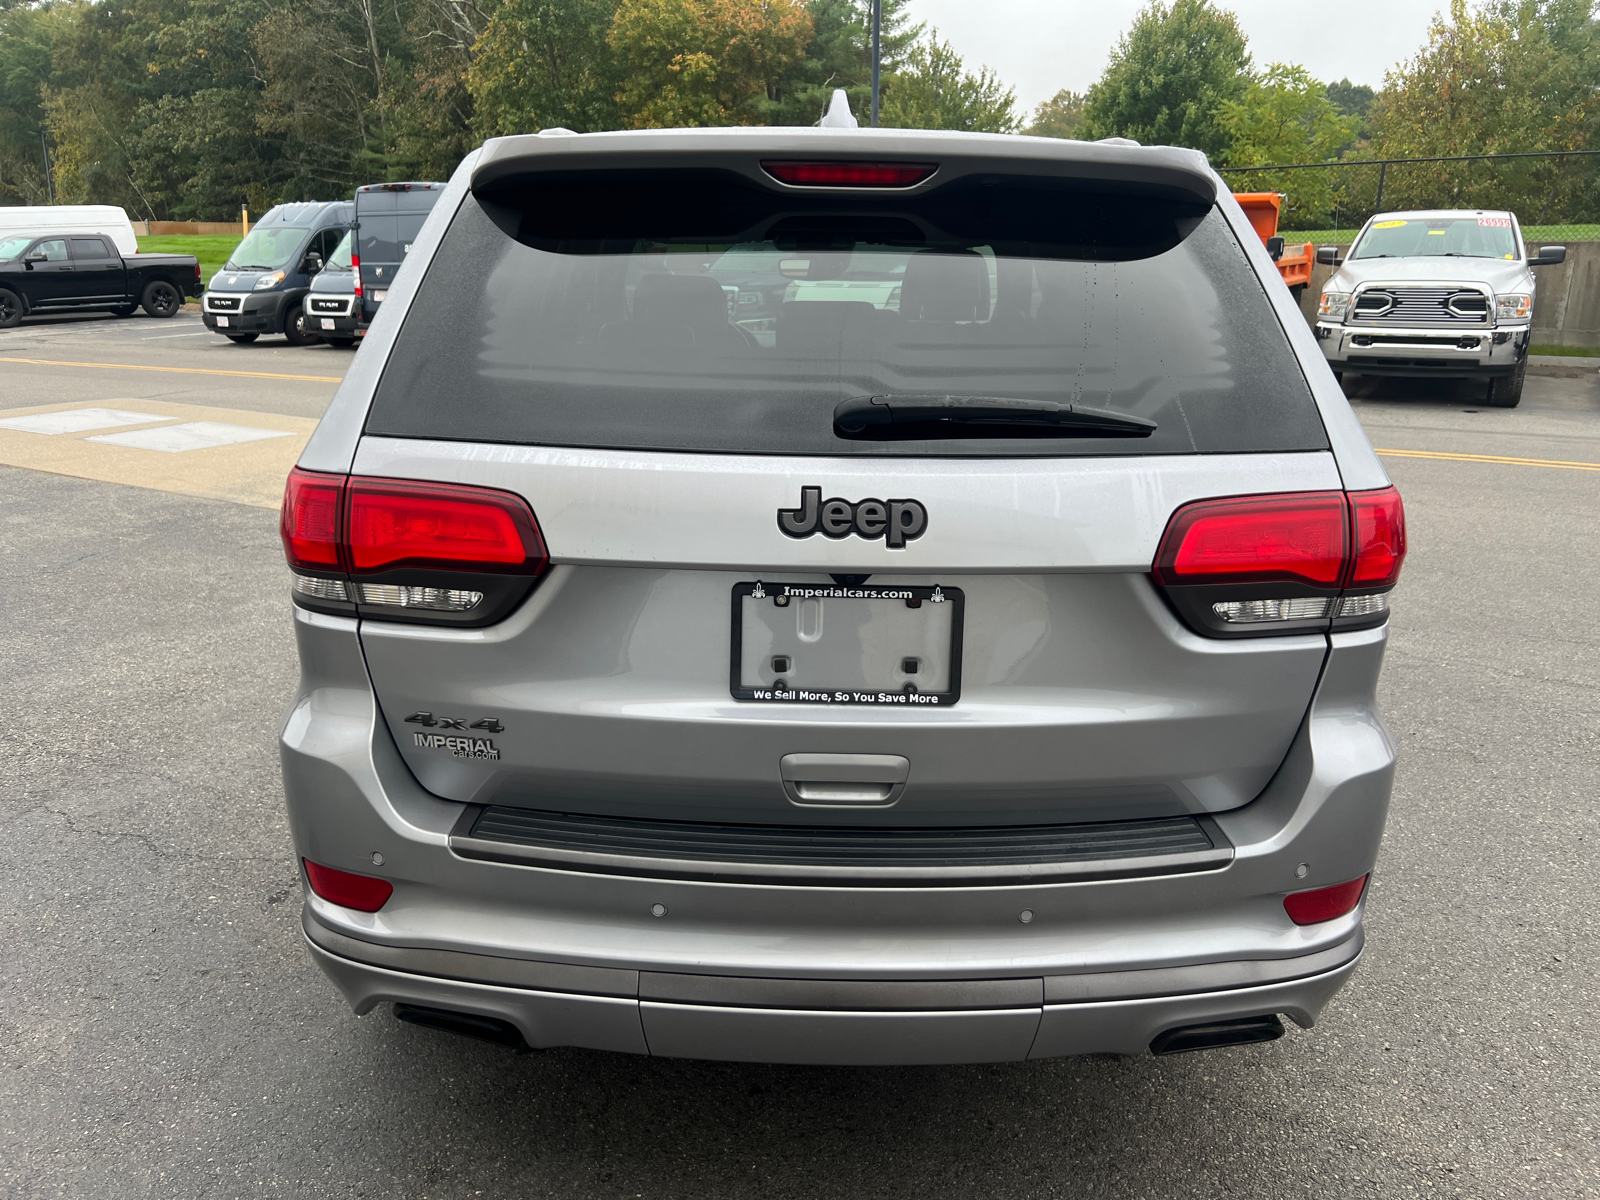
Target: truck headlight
pixel 1334 305
pixel 1518 306
pixel 269 281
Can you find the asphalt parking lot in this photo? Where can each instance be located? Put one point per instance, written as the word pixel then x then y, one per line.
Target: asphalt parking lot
pixel 166 1035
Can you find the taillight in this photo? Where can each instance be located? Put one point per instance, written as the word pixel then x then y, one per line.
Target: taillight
pixel 1242 566
pixel 309 524
pixel 850 174
pixel 1324 903
pixel 398 524
pixel 408 550
pixel 355 266
pixel 1298 538
pixel 1379 520
pixel 360 892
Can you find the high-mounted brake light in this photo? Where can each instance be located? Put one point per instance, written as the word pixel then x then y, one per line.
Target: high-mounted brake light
pixel 360 892
pixel 394 523
pixel 850 174
pixel 1325 903
pixel 1297 538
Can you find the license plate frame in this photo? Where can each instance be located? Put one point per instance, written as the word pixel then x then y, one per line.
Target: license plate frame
pixel 933 596
pixel 328 323
pixel 222 322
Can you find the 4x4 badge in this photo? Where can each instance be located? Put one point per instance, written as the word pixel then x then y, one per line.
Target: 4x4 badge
pixel 895 521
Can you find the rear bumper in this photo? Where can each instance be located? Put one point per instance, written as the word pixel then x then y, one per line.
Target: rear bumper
pixel 762 969
pixel 1471 353
pixel 886 1023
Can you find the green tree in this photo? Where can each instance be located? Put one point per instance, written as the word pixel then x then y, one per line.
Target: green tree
pixel 705 62
pixel 840 56
pixel 546 63
pixel 1169 77
pixel 934 90
pixel 1285 116
pixel 1061 116
pixel 1511 75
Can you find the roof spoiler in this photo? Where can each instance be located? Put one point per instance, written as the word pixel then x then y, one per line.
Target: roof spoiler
pixel 509 160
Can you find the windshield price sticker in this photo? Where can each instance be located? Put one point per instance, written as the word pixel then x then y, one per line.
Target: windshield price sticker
pixel 1389 224
pixel 1496 222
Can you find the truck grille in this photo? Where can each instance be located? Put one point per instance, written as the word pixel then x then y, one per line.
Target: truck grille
pixel 222 304
pixel 841 856
pixel 331 306
pixel 1420 306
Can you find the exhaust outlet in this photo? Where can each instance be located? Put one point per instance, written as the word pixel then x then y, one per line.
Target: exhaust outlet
pixel 483 1029
pixel 1218 1033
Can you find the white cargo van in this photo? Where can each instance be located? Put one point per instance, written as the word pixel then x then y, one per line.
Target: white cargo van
pixel 72 218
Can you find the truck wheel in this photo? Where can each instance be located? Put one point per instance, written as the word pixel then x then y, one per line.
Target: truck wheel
pixel 124 310
pixel 161 299
pixel 1506 392
pixel 296 330
pixel 10 309
pixel 340 343
pixel 241 339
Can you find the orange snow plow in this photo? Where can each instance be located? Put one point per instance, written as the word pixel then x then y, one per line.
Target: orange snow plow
pixel 1294 262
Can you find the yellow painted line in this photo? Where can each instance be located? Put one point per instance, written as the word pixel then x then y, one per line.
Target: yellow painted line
pixel 50 362
pixel 1493 458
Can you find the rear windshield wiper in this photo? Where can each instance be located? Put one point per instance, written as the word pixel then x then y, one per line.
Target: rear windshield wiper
pixel 907 417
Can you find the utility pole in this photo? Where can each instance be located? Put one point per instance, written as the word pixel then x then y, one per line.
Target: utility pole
pixel 877 54
pixel 50 188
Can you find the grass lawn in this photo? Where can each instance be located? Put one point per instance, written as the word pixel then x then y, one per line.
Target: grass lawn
pixel 211 249
pixel 1567 351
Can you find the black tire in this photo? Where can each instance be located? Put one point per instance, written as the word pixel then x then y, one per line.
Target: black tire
pixel 161 299
pixel 241 339
pixel 296 329
pixel 340 343
pixel 10 309
pixel 1506 391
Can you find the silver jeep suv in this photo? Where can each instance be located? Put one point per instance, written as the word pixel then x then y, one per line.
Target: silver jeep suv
pixel 839 597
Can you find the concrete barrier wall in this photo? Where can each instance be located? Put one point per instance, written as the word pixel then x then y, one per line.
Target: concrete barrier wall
pixel 1566 308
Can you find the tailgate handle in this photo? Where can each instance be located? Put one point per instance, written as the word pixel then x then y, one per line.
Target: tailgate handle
pixel 844 778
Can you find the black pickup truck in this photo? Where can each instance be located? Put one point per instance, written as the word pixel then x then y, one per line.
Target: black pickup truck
pixel 74 272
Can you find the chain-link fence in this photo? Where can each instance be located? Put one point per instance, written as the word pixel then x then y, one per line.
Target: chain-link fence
pixel 1556 195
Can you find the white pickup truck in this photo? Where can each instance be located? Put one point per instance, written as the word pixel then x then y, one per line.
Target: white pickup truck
pixel 1443 293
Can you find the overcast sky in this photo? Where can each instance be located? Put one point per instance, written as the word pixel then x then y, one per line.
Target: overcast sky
pixel 1042 46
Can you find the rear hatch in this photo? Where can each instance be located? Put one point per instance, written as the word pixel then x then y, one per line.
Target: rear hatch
pixel 850 494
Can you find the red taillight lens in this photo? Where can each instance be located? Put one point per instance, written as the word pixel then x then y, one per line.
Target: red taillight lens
pixel 360 892
pixel 392 523
pixel 1324 904
pixel 1297 538
pixel 1379 519
pixel 355 267
pixel 850 174
pixel 309 523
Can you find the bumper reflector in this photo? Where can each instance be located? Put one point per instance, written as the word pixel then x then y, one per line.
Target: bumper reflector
pixel 1324 904
pixel 360 892
pixel 1363 606
pixel 1305 608
pixel 433 598
pixel 321 589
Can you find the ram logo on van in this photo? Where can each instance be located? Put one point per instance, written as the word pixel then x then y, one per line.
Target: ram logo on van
pixel 895 521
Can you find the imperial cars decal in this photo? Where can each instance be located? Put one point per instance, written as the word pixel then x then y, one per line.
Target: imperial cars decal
pixel 459 747
pixel 895 521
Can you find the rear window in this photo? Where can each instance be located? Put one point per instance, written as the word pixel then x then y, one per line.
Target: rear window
pixel 699 312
